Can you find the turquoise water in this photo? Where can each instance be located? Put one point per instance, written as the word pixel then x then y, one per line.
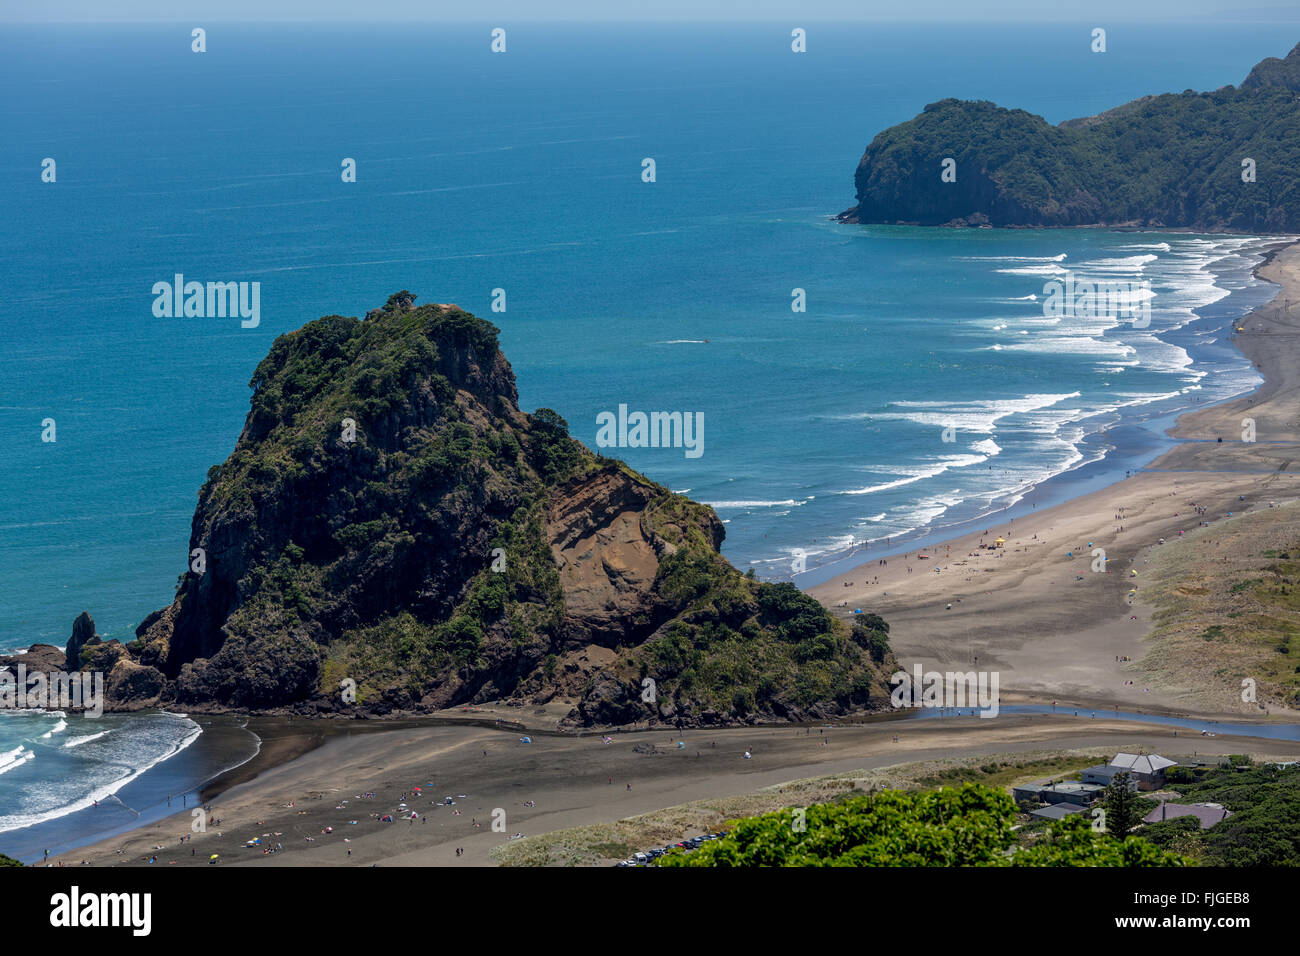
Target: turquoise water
pixel 522 171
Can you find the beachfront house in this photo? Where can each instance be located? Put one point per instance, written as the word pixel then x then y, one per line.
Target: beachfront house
pixel 1056 811
pixel 1070 791
pixel 1104 775
pixel 1208 814
pixel 1146 771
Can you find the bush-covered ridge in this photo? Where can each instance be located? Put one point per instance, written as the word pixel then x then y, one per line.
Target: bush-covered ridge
pixel 389 517
pixel 1171 161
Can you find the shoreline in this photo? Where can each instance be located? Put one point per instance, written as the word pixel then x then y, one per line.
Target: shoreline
pixel 301 756
pixel 325 807
pixel 1138 437
pixel 1025 610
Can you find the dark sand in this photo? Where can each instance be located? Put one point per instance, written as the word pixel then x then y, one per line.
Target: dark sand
pixel 568 780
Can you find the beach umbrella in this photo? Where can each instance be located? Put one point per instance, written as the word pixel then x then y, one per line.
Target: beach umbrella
pixel 214 856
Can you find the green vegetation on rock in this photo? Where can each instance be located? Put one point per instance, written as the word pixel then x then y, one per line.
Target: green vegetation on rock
pixel 1174 160
pixel 390 522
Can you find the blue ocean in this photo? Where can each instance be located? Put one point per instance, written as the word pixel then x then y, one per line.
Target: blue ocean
pixel 522 171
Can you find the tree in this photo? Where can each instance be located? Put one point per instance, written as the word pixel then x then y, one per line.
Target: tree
pixel 1121 806
pixel 1072 842
pixel 871 633
pixel 402 301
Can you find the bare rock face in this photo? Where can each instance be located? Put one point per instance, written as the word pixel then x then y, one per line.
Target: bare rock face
pixel 1272 72
pixel 102 656
pixel 133 686
pixel 45 658
pixel 608 557
pixel 83 633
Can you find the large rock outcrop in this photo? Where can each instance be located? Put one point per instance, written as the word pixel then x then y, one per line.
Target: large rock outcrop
pixel 1170 161
pixel 392 533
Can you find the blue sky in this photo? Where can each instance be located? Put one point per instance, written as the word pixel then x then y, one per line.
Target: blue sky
pixel 1099 12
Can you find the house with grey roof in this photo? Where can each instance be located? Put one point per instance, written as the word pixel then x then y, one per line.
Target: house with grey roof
pixel 1057 811
pixel 1069 791
pixel 1208 814
pixel 1104 775
pixel 1145 771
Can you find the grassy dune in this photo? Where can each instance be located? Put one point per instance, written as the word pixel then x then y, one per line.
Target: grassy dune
pixel 1226 609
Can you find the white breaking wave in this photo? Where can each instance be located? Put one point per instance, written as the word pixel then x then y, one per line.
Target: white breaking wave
pixel 78 741
pixel 937 468
pixel 975 416
pixel 1044 270
pixel 1134 263
pixel 16 758
pixel 752 504
pixel 1057 258
pixel 1074 344
pixel 1160 246
pixel 102 792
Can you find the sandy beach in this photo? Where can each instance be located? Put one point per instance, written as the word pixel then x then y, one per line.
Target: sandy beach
pixel 1032 609
pixel 363 776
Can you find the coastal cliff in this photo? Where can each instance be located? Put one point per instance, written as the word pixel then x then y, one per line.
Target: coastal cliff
pixel 391 522
pixel 1172 161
